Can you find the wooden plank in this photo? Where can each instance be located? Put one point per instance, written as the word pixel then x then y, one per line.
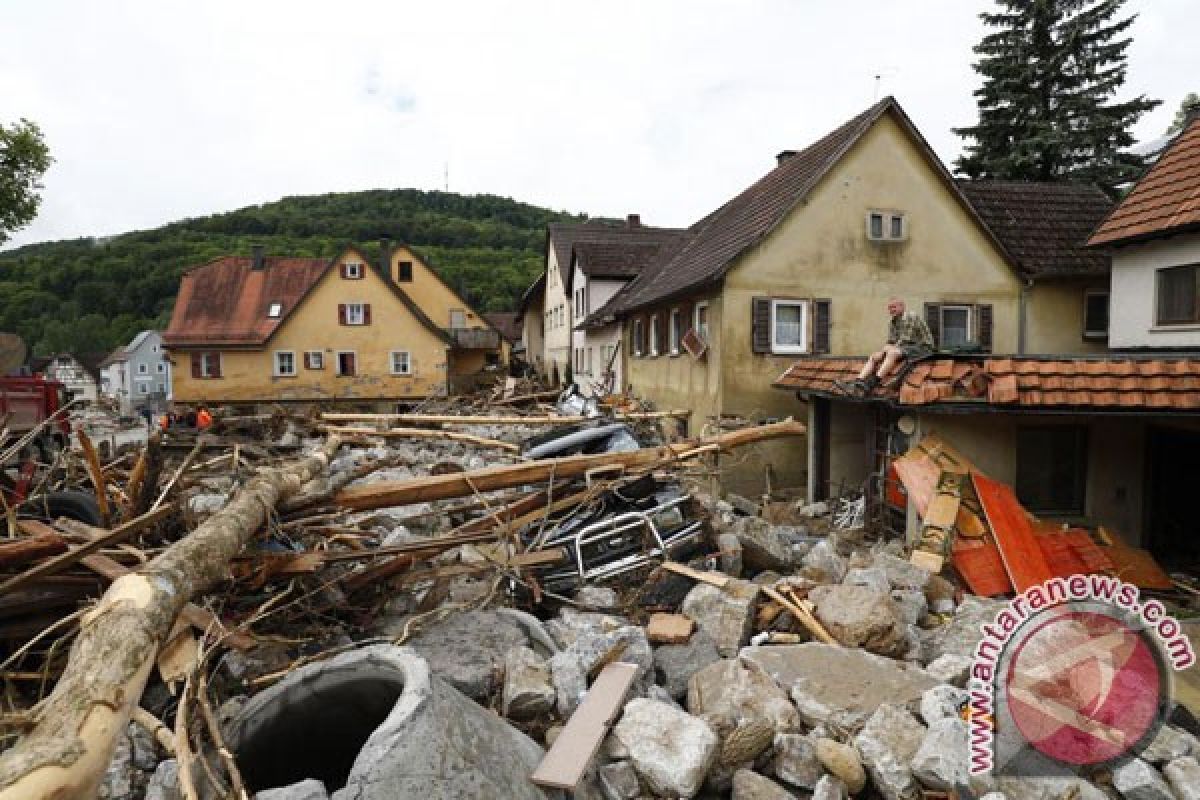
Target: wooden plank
pixel 572 752
pixel 803 613
pixel 981 567
pixel 1023 559
pixel 669 628
pixel 467 419
pixel 717 579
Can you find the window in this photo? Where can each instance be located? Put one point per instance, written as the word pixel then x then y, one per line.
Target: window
pixel 1179 295
pixel 143 388
pixel 314 359
pixel 674 333
pixel 789 326
pixel 206 365
pixel 275 310
pixel 401 362
pixel 162 388
pixel 404 272
pixel 458 318
pixel 589 360
pixel 1095 314
pixel 1052 468
pixel 154 349
pixel 354 313
pixel 143 369
pixel 654 343
pixel 886 226
pixel 955 325
pixel 635 338
pixel 700 323
pixel 346 363
pixel 285 363
pixel 160 368
pixel 352 270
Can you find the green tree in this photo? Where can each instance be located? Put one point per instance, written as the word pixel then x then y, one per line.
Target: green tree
pixel 1190 103
pixel 1047 109
pixel 24 158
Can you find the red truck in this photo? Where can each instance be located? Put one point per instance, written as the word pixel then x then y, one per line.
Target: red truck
pixel 28 401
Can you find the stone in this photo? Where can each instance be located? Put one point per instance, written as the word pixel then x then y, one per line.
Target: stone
pixel 569 668
pixel 830 787
pixel 467 650
pixel 304 790
pixel 656 692
pixel 962 633
pixel 824 559
pixel 951 669
pixel 675 664
pixel 941 702
pixel 669 628
pixel 741 692
pixel 1168 744
pixel 1183 774
pixel 763 547
pixel 838 686
pixel 671 750
pixel 902 573
pixel 619 781
pixel 749 785
pixel 117 782
pixel 858 616
pixel 164 783
pixel 730 547
pixel 796 761
pixel 813 510
pixel 597 597
pixel 941 760
pixel 726 614
pixel 570 624
pixel 911 604
pixel 1045 787
pixel 528 691
pixel 746 742
pixel 870 577
pixel 1137 780
pixel 843 762
pixel 888 743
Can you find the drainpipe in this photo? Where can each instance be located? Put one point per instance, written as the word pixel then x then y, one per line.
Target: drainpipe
pixel 1022 314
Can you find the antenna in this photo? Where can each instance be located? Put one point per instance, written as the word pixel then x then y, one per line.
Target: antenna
pixel 878 79
pixel 446 175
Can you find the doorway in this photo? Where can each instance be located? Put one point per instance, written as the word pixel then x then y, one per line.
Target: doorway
pixel 1172 474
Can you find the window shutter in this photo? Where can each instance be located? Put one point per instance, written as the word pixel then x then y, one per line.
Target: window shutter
pixel 196 365
pixel 307 360
pixel 933 318
pixel 366 313
pixel 216 359
pixel 342 270
pixel 821 321
pixel 341 313
pixel 351 364
pixel 983 313
pixel 760 320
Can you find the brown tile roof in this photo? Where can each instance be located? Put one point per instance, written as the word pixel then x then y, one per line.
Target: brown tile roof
pixel 1015 381
pixel 623 259
pixel 1164 200
pixel 507 323
pixel 225 302
pixel 1043 226
pixel 564 238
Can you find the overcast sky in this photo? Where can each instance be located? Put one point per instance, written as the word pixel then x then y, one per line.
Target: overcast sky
pixel 160 110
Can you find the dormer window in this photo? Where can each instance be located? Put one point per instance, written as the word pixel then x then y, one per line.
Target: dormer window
pixel 275 310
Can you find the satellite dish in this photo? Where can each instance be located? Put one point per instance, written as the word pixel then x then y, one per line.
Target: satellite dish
pixel 13 353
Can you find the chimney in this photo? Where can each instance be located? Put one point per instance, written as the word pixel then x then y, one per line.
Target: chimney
pixel 782 156
pixel 259 260
pixel 385 253
pixel 633 221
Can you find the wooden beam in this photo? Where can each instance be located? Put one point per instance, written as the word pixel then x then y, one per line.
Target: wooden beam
pixel 99 485
pixel 423 433
pixel 483 419
pixel 461 484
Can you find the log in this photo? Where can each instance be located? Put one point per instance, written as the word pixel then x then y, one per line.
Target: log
pixel 467 419
pixel 16 552
pixel 423 433
pixel 460 484
pixel 99 485
pixel 73 731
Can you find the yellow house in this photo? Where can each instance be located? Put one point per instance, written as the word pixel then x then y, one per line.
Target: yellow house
pixel 259 329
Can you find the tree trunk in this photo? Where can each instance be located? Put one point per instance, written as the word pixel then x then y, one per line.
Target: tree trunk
pixel 64 753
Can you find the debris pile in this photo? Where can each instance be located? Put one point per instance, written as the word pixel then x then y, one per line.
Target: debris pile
pixel 483 599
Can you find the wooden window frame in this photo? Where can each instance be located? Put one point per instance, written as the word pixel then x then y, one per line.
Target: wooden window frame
pixel 404 272
pixel 702 332
pixel 805 342
pixel 1158 293
pixel 1090 334
pixel 352 270
pixel 337 363
pixel 314 359
pixel 276 365
pixel 203 363
pixel 408 370
pixel 362 313
pixel 972 332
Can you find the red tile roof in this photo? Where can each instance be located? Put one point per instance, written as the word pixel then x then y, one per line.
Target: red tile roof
pixel 225 302
pixel 1115 382
pixel 1165 200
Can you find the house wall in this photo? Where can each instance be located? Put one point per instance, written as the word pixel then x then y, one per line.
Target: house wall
pixel 313 325
pixel 67 370
pixel 596 340
pixel 533 323
pixel 115 384
pixel 557 336
pixel 430 292
pixel 1054 317
pixel 1132 316
pixel 148 370
pixel 599 291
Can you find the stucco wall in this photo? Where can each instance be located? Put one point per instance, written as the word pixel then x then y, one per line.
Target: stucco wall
pixel 429 292
pixel 1054 317
pixel 556 337
pixel 598 292
pixel 532 323
pixel 1133 311
pixel 313 325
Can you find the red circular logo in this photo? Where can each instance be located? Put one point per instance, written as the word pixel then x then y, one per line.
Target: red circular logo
pixel 1084 687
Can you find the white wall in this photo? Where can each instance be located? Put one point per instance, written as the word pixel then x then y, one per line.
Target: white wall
pixel 557 331
pixel 1132 304
pixel 598 293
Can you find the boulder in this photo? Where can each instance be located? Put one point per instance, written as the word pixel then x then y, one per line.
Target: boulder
pixel 749 785
pixel 829 788
pixel 726 614
pixel 164 783
pixel 1044 787
pixel 888 743
pixel 1168 744
pixel 858 616
pixel 467 650
pixel 837 686
pixel 304 790
pixel 675 664
pixel 670 749
pixel 951 669
pixel 1183 774
pixel 961 634
pixel 940 702
pixel 870 577
pixel 911 604
pixel 570 624
pixel 902 573
pixel 597 597
pixel 528 690
pixel 730 547
pixel 763 546
pixel 118 780
pixel 843 762
pixel 941 760
pixel 1137 780
pixel 823 559
pixel 796 761
pixel 619 781
pixel 569 668
pixel 741 692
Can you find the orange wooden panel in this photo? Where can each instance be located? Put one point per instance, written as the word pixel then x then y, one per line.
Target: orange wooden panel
pixel 981 567
pixel 1138 567
pixel 1013 532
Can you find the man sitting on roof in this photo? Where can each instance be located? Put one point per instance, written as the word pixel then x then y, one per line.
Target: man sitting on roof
pixel 908 341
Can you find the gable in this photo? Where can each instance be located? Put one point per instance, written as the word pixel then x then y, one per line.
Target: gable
pixel 427 289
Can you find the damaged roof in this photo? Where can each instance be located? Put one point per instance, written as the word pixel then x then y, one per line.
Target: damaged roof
pixel 1044 226
pixel 1164 200
pixel 1020 382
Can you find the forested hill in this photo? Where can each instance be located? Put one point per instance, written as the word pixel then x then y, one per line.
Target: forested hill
pixel 89 295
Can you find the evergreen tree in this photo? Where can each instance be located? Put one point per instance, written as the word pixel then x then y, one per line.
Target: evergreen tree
pixel 1047 107
pixel 1191 102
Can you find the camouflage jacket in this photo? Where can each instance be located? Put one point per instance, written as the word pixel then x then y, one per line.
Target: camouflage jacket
pixel 909 330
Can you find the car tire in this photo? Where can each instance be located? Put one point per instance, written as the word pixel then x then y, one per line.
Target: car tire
pixel 80 506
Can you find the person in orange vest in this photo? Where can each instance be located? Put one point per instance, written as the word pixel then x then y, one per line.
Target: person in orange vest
pixel 164 422
pixel 204 419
